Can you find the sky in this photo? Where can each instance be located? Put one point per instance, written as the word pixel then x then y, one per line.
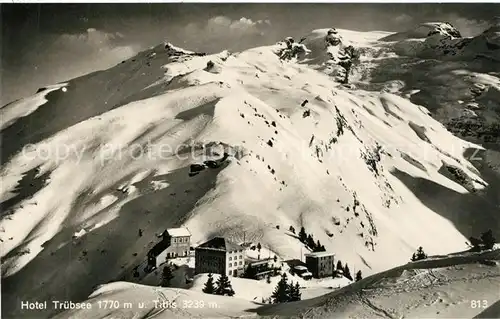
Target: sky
pixel 43 44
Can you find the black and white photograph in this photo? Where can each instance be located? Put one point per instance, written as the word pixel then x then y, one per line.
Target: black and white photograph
pixel 178 160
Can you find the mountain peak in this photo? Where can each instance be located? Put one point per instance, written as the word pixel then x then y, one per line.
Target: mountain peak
pixel 426 30
pixel 442 29
pixel 174 50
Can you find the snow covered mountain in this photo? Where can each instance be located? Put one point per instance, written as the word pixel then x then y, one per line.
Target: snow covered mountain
pixel 324 134
pixel 456 78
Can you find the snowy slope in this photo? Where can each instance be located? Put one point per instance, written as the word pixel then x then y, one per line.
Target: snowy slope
pixel 126 300
pixel 259 290
pixel 458 286
pixel 443 41
pixel 445 287
pixel 109 154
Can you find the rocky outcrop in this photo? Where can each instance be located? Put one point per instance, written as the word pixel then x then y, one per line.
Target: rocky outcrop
pixel 476 130
pixel 341 56
pixel 444 29
pixel 327 52
pixel 441 40
pixel 178 55
pixel 458 175
pixel 292 49
pixel 425 30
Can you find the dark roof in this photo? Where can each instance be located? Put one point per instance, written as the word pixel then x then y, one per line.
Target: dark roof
pixel 260 262
pixel 295 262
pixel 220 243
pixel 320 254
pixel 158 248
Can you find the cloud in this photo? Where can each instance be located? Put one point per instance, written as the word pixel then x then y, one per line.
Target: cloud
pixel 222 32
pixel 403 18
pixel 222 25
pixel 467 27
pixel 92 40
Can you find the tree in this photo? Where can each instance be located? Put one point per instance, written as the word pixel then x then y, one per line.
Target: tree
pixel 359 276
pixel 339 266
pixel 291 291
pixel 319 248
pixel 419 255
pixel 347 272
pixel 295 294
pixel 166 276
pixel 292 230
pixel 310 242
pixel 298 294
pixel 275 271
pixel 281 292
pixel 224 286
pixel 209 285
pixel 488 239
pixel 303 235
pixel 475 243
pixel 337 270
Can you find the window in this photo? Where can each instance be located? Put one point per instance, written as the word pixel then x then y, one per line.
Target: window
pixel 241 257
pixel 230 272
pixel 230 258
pixel 229 264
pixel 240 263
